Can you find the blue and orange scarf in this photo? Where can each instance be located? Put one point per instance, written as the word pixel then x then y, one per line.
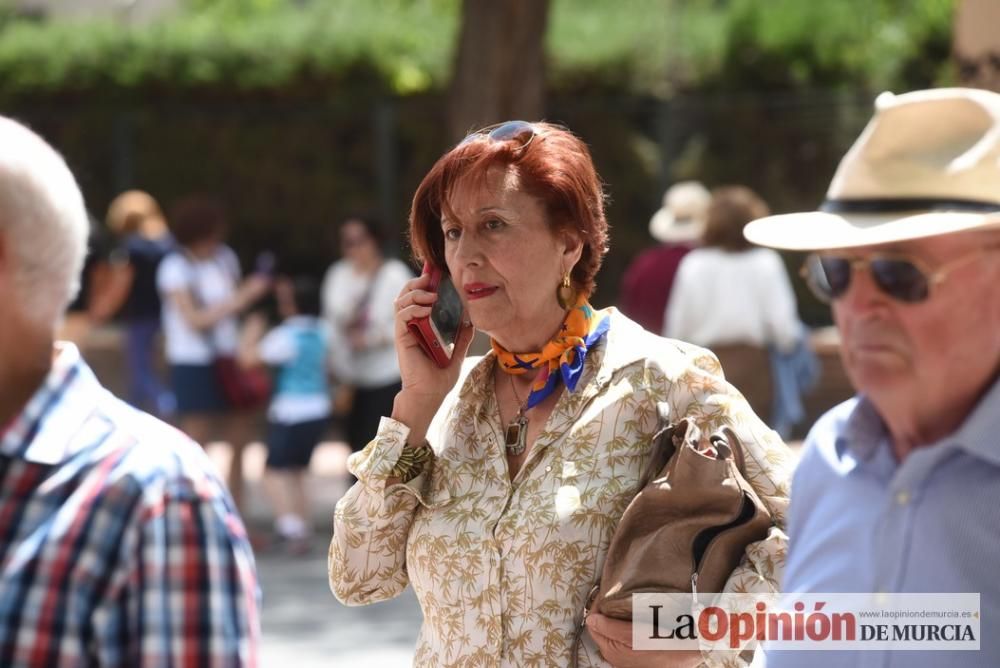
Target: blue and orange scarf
pixel 562 357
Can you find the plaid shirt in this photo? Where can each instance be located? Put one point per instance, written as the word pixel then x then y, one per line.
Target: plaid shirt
pixel 118 544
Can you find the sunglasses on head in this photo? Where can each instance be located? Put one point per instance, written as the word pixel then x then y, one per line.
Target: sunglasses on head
pixel 521 132
pixel 903 278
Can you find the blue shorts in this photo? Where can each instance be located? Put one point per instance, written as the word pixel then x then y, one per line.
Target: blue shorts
pixel 197 389
pixel 290 446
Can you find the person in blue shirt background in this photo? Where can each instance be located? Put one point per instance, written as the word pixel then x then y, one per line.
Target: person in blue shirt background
pixel 300 407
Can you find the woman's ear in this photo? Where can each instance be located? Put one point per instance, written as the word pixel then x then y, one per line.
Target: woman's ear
pixel 572 248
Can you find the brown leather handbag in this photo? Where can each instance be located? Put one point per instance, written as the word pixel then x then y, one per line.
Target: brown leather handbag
pixel 689 525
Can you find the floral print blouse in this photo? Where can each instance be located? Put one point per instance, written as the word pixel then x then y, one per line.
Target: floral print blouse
pixel 502 569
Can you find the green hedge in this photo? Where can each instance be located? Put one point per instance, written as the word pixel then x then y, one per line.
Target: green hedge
pixel 406 46
pixel 278 110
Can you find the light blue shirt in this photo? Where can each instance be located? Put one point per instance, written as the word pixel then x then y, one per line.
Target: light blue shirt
pixel 298 350
pixel 862 522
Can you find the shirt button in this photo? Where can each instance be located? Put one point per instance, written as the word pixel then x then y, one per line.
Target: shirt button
pixel 548 469
pixel 903 497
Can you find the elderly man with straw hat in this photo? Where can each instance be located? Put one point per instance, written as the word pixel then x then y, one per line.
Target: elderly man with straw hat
pixel 897 488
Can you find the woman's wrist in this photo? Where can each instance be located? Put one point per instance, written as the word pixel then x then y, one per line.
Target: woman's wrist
pixel 416 413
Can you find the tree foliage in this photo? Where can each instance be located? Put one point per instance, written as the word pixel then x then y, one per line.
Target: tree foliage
pixel 407 46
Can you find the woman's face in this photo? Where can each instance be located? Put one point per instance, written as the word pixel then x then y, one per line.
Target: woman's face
pixel 356 244
pixel 506 261
pixel 207 247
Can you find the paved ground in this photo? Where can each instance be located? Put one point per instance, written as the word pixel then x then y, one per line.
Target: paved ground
pixel 304 626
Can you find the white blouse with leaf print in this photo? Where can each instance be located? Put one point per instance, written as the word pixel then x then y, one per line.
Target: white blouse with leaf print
pixel 502 569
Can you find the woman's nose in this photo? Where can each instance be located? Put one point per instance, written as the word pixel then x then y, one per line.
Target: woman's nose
pixel 467 250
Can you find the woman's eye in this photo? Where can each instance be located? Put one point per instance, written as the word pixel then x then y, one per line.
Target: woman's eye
pixel 452 234
pixel 494 224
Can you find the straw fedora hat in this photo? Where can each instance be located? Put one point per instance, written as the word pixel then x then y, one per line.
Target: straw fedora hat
pixel 682 216
pixel 927 164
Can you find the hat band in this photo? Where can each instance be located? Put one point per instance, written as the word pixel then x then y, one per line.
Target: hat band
pixel 903 204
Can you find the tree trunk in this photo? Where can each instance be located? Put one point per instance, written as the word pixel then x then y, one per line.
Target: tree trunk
pixel 976 43
pixel 499 69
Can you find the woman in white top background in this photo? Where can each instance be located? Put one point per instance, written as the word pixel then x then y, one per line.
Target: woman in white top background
pixel 359 291
pixel 735 298
pixel 203 293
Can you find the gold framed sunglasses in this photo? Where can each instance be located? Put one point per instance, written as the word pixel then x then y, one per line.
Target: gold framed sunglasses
pixel 905 279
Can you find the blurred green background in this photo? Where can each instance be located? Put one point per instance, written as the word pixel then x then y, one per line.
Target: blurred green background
pixel 298 112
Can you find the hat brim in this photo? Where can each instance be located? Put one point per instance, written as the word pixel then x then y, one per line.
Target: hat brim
pixel 664 227
pixel 817 230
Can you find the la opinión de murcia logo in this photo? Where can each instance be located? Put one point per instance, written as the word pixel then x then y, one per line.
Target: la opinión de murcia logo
pixel 730 622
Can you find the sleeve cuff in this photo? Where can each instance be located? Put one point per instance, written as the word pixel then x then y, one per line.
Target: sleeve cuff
pixel 378 458
pixel 373 466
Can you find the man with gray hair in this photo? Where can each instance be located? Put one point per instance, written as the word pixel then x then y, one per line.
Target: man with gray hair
pixel 897 488
pixel 118 544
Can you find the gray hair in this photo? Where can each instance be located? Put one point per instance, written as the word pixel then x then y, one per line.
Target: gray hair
pixel 43 222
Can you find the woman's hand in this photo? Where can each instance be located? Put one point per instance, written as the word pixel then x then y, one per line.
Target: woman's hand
pixel 424 383
pixel 614 640
pixel 251 290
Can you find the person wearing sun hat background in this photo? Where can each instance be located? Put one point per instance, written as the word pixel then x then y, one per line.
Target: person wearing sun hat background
pixel 896 487
pixel 648 280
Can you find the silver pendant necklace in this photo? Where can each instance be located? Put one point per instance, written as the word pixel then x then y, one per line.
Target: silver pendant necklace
pixel 516 435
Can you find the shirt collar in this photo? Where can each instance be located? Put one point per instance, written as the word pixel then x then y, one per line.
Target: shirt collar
pixel 978 433
pixel 626 342
pixel 44 431
pixel 865 430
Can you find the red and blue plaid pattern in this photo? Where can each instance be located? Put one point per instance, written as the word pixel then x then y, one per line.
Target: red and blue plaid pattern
pixel 118 544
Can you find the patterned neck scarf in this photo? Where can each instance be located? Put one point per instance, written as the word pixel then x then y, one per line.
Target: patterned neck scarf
pixel 562 357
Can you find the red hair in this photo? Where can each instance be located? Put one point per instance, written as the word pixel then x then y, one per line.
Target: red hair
pixel 555 166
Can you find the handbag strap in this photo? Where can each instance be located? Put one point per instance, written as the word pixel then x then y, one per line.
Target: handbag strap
pixel 360 309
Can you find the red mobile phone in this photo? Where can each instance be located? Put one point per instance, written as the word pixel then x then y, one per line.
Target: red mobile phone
pixel 437 333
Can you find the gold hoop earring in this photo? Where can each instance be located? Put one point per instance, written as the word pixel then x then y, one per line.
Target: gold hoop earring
pixel 565 294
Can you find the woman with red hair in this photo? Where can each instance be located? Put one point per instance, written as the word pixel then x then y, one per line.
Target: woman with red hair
pixel 496 484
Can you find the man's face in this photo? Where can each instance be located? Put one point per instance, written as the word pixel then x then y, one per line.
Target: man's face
pixel 926 354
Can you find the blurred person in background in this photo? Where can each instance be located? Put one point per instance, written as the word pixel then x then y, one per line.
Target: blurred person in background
pixel 127 287
pixel 735 298
pixel 358 292
pixel 495 483
pixel 120 545
pixel 298 350
pixel 77 320
pixel 648 281
pixel 203 295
